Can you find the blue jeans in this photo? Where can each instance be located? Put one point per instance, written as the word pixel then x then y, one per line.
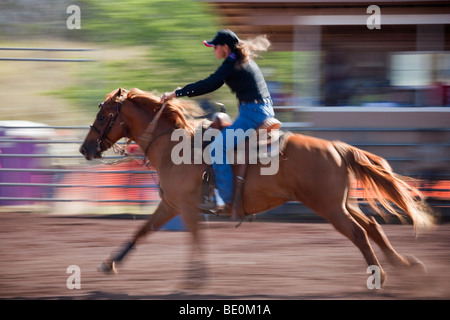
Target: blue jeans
pixel 251 115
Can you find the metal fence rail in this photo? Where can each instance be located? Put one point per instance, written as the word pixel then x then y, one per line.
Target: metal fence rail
pixel 25 180
pixel 44 50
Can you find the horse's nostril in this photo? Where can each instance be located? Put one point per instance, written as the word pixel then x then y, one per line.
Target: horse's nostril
pixel 85 152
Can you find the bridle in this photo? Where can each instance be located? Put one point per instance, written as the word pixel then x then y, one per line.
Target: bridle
pixel 112 118
pixel 148 134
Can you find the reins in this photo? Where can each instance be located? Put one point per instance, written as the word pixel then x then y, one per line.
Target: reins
pixel 148 135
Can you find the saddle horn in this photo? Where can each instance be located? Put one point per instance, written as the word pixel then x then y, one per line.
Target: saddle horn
pixel 222 107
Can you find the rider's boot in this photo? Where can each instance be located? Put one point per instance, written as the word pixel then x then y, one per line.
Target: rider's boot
pixel 214 207
pixel 210 204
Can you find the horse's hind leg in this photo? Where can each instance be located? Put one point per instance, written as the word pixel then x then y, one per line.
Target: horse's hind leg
pixel 341 219
pixel 376 233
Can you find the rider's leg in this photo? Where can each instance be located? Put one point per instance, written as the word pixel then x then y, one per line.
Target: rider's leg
pixel 250 116
pixel 223 174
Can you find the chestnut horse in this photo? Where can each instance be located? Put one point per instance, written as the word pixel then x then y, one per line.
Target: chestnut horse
pixel 314 171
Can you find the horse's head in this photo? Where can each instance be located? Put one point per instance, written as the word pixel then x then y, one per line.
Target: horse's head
pixel 108 126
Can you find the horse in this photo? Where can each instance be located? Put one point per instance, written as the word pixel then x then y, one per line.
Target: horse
pixel 316 172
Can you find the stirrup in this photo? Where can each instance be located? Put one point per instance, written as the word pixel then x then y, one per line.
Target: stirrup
pixel 213 207
pixel 207 206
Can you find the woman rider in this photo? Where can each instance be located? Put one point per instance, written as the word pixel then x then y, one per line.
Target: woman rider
pixel 245 79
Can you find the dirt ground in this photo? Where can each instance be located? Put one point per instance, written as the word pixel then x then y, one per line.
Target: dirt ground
pixel 259 260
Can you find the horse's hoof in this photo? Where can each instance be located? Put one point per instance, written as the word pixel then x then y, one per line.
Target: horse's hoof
pixel 107 267
pixel 383 277
pixel 415 263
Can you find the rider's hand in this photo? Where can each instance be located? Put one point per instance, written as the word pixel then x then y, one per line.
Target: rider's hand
pixel 167 96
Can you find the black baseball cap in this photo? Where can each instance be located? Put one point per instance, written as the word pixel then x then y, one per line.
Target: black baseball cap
pixel 222 37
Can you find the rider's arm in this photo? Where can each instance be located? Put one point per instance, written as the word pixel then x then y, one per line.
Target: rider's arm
pixel 212 83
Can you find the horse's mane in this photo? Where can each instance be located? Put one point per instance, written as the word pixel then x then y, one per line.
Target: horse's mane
pixel 177 111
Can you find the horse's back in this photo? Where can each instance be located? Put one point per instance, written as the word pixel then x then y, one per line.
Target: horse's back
pixel 310 169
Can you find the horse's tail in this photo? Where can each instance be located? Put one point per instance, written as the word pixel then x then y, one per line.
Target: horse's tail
pixel 380 183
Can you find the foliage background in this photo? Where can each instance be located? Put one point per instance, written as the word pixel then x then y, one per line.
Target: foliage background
pixel 154 45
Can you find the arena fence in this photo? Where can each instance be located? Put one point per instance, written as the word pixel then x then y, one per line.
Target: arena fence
pixel 40 166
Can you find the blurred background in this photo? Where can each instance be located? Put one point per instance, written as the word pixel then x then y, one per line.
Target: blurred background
pixel 332 73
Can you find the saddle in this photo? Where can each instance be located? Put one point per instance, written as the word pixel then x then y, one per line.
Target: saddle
pixel 220 122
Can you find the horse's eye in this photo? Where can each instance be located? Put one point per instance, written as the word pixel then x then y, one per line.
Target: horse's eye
pixel 100 117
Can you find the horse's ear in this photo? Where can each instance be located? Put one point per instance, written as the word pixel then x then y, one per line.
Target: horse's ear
pixel 119 92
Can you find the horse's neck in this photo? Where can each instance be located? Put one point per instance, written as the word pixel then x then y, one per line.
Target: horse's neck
pixel 156 144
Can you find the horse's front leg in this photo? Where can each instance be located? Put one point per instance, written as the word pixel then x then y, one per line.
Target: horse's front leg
pixel 196 268
pixel 162 214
